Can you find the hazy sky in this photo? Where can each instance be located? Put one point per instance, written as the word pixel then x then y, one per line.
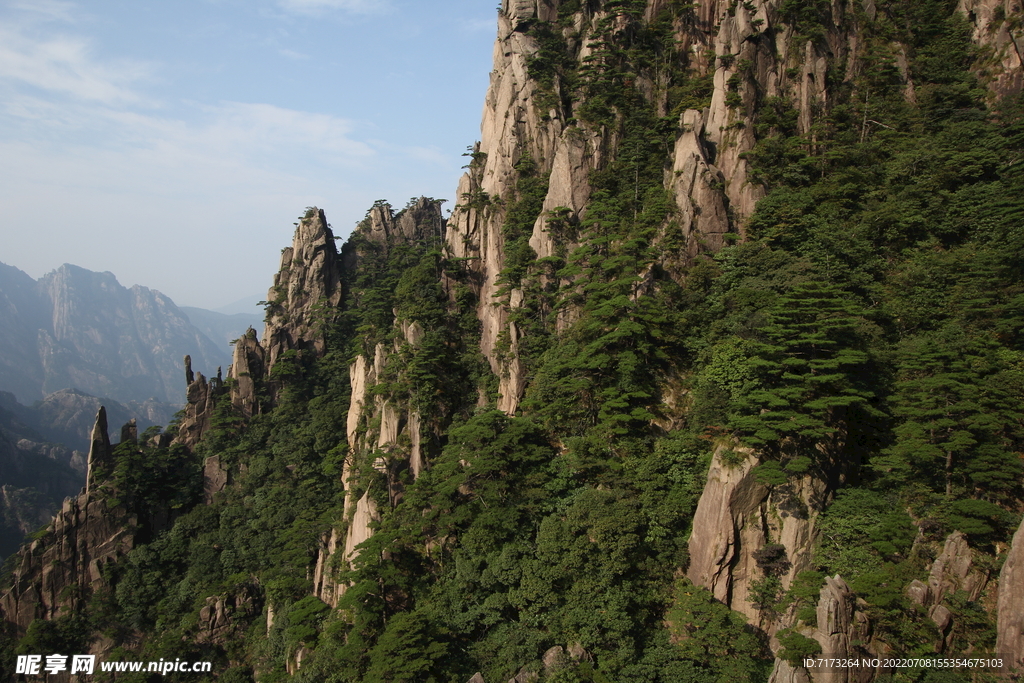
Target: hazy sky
pixel 175 143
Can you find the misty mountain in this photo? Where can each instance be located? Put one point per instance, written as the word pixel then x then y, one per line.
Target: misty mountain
pixel 75 328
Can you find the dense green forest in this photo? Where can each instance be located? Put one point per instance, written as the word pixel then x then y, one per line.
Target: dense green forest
pixel 864 326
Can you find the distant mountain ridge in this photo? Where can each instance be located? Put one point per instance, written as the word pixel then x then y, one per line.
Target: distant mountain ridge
pixel 75 328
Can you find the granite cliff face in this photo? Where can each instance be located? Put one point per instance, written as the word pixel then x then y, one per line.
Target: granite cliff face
pixel 543 149
pixel 752 55
pixel 303 299
pixel 1010 606
pixel 306 290
pixel 382 430
pixel 997 29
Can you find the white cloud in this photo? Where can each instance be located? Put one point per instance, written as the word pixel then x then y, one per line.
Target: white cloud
pixel 65 65
pixel 46 10
pixel 267 127
pixel 292 54
pixel 351 6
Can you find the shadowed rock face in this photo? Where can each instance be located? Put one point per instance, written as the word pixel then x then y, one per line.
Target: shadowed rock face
pixel 63 568
pixel 1010 639
pixel 36 476
pixel 79 329
pixel 43 450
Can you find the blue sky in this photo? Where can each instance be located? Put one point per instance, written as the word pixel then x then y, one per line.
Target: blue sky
pixel 175 143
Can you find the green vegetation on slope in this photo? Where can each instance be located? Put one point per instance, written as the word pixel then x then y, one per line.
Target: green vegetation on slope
pixel 870 322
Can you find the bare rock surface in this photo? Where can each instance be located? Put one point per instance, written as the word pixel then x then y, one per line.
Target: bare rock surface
pixel 305 290
pixel 997 29
pixel 731 500
pixel 1010 604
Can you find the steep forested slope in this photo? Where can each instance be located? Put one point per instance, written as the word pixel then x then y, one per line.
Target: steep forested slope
pixel 716 366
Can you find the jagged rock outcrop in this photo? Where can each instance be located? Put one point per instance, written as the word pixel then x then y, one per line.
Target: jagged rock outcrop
pixel 325 584
pixel 784 672
pixel 953 570
pixel 86 534
pixel 1010 605
pixel 304 298
pixel 216 477
pixel 306 290
pixel 751 55
pixel 201 399
pixel 703 213
pixel 737 516
pixel 100 452
pixel 420 222
pixel 247 367
pixel 842 631
pixel 513 126
pixel 726 529
pixel 222 618
pixel 63 568
pixel 396 435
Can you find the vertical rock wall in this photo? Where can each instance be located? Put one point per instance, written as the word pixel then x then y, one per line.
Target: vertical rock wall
pixel 388 431
pixel 306 290
pixel 997 29
pixel 751 55
pixel 737 516
pixel 99 448
pixel 1010 604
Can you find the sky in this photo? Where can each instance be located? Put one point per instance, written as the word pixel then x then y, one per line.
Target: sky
pixel 174 144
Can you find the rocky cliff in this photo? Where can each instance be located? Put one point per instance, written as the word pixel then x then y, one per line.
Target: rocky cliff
pixel 576 414
pixel 58 572
pixel 1010 642
pixel 752 54
pixel 384 430
pixel 302 301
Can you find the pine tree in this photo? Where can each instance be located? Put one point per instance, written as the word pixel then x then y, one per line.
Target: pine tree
pixel 958 420
pixel 815 372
